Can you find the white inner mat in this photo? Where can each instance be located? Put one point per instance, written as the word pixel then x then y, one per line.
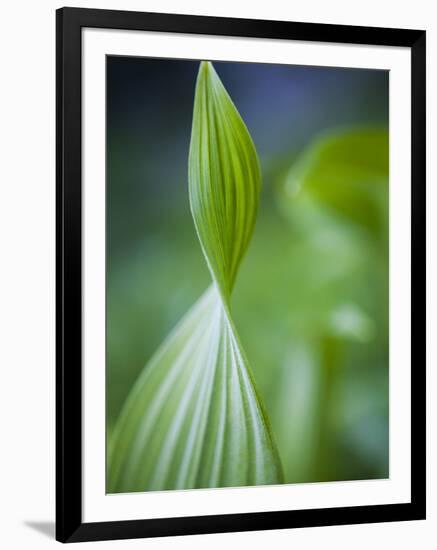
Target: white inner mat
pixel 97 506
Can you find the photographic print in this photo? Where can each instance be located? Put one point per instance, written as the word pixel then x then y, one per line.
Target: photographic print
pixel 247 272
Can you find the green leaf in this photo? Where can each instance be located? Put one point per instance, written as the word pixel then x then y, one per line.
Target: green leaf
pixel 193 418
pixel 224 178
pixel 348 172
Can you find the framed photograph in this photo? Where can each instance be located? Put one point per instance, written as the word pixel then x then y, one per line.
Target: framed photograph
pixel 240 274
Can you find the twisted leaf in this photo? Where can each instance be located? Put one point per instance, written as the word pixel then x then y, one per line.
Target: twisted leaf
pixel 224 179
pixel 193 418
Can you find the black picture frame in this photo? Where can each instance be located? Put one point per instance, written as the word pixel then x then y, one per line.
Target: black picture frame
pixel 69 525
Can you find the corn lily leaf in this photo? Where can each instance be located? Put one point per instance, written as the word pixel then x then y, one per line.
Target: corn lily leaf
pixel 193 418
pixel 224 179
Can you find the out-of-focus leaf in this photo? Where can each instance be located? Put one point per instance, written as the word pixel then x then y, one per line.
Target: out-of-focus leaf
pixel 348 172
pixel 295 409
pixel 193 419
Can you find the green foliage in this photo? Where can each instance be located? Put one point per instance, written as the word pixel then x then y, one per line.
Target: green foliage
pixel 334 198
pixel 347 172
pixel 193 418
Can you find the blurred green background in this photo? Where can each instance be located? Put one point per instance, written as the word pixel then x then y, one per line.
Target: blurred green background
pixel 311 299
